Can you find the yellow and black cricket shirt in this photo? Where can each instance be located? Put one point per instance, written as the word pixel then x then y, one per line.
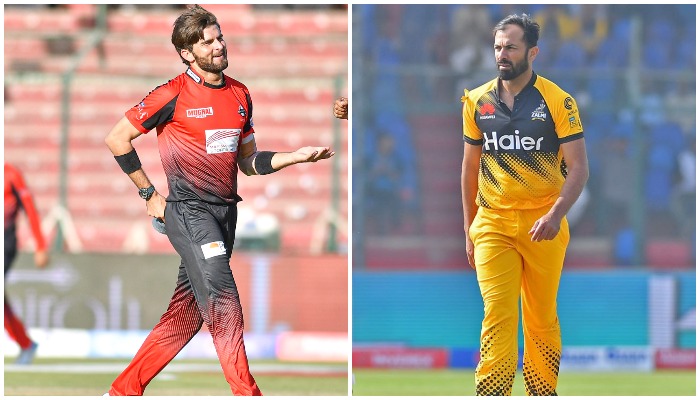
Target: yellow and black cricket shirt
pixel 522 165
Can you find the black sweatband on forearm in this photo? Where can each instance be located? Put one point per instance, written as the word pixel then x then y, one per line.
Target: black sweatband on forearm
pixel 129 162
pixel 263 162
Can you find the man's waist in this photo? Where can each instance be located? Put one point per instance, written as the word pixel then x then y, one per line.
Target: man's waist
pixel 181 194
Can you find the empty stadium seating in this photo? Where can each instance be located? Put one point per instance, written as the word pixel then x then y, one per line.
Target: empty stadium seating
pixel 290 61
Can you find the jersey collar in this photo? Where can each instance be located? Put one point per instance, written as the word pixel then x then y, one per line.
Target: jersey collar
pixel 530 84
pixel 200 80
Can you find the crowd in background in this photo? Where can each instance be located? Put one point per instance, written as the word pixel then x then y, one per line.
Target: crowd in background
pixel 639 117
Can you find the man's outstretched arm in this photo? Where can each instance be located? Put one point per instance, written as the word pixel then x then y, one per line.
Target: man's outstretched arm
pixel 254 162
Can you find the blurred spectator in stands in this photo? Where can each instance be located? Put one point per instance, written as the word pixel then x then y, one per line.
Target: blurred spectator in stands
pixel 617 178
pixel 624 242
pixel 18 196
pixel 665 143
pixel 469 30
pixel 549 18
pixel 656 53
pixel 591 26
pixel 680 100
pixel 683 195
pixel 386 86
pixel 556 20
pixel 384 191
pixel 652 101
pixel 613 50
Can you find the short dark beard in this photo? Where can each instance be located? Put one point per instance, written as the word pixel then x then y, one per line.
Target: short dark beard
pixel 515 71
pixel 207 66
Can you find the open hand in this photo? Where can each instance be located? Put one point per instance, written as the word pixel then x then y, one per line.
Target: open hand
pixel 312 154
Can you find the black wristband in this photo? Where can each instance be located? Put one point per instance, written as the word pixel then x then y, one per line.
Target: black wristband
pixel 263 162
pixel 129 162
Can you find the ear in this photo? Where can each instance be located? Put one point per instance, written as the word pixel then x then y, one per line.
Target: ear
pixel 532 53
pixel 187 55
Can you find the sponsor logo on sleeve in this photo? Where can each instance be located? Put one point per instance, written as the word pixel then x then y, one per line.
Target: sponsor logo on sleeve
pixel 568 103
pixel 141 113
pixel 574 122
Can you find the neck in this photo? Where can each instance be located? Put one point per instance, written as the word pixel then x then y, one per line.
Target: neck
pixel 515 86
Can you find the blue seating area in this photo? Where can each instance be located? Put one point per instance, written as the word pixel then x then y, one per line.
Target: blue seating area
pixel 636 107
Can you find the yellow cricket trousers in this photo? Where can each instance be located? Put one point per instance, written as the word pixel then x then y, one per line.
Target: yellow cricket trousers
pixel 510 266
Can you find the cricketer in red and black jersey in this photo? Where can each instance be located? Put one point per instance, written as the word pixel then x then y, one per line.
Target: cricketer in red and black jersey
pixel 203 120
pixel 199 129
pixel 18 196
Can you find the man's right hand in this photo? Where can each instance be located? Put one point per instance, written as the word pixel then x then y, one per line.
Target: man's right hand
pixel 155 206
pixel 470 253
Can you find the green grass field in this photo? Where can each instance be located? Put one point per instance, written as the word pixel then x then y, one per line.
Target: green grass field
pixel 82 377
pixel 460 382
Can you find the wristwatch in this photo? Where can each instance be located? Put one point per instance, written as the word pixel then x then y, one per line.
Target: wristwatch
pixel 146 193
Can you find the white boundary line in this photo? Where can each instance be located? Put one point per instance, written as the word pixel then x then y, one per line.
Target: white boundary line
pixel 115 367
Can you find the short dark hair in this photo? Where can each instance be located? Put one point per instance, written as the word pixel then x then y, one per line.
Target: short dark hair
pixel 530 27
pixel 188 28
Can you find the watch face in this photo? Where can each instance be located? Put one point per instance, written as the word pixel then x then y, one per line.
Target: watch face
pixel 147 192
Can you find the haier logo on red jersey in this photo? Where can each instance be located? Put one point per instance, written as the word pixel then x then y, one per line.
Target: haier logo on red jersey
pixel 200 112
pixel 511 142
pixel 487 111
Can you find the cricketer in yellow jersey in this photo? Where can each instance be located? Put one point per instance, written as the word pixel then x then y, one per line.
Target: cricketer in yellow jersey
pixel 524 166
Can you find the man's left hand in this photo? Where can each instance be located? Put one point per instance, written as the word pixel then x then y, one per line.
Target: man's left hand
pixel 545 228
pixel 312 154
pixel 340 108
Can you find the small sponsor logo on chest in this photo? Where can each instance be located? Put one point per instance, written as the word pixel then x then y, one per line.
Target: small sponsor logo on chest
pixel 200 112
pixel 539 113
pixel 487 111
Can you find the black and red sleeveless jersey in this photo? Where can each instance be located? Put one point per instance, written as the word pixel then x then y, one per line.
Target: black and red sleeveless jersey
pixel 200 127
